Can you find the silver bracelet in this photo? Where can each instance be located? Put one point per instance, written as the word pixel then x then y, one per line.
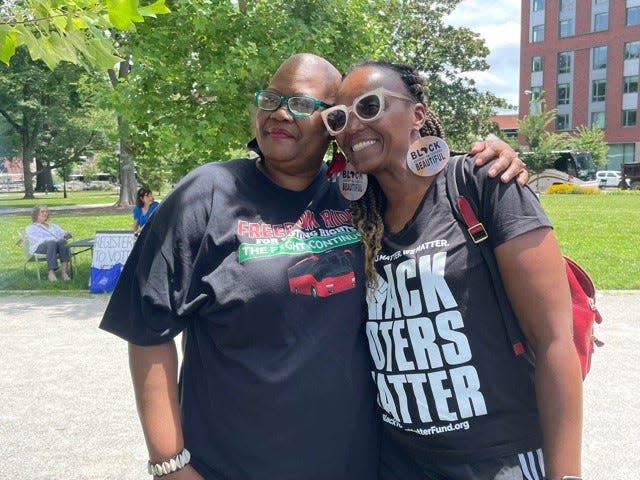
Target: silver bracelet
pixel 170 465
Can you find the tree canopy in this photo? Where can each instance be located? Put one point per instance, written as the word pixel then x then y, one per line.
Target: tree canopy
pixel 48 118
pixel 78 32
pixel 186 97
pixel 542 143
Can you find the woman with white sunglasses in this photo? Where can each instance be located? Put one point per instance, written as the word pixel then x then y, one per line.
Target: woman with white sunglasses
pixel 457 403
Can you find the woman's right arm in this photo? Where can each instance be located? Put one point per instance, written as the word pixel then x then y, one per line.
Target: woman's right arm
pixel 154 372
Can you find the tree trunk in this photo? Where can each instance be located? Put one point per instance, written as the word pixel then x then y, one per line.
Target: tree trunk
pixel 127 173
pixel 44 178
pixel 27 157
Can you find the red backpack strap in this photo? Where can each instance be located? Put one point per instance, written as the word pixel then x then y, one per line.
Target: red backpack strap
pixel 464 209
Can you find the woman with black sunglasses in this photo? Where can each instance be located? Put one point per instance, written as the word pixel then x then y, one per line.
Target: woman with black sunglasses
pixel 457 402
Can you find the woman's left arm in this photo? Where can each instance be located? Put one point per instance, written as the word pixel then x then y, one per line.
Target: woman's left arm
pixel 533 273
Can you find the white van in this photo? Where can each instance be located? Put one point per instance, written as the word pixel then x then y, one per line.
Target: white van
pixel 609 178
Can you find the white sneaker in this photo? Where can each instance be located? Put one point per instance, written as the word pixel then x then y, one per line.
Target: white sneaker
pixel 52 277
pixel 66 277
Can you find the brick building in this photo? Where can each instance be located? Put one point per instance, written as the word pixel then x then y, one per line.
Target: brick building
pixel 585 56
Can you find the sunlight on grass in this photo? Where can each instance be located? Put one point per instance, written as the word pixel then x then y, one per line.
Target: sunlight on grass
pixel 94 197
pixel 12 267
pixel 601 232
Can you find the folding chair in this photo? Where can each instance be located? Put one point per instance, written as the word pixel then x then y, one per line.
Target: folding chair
pixel 37 258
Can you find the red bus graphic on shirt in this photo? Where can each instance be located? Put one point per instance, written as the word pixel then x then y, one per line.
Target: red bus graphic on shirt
pixel 322 275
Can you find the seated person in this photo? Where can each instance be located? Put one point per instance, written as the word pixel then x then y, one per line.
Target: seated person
pixel 49 239
pixel 145 206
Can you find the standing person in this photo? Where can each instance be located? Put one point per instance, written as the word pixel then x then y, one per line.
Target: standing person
pixel 275 377
pixel 145 206
pixel 457 403
pixel 51 240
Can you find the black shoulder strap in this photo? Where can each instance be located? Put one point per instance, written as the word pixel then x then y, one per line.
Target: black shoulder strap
pixel 464 200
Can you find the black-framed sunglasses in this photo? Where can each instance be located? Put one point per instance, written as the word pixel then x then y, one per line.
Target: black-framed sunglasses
pixel 367 107
pixel 298 105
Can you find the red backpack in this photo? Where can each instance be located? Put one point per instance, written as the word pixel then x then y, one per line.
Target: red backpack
pixel 462 197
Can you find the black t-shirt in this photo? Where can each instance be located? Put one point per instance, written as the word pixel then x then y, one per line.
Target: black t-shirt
pixel 267 284
pixel 448 382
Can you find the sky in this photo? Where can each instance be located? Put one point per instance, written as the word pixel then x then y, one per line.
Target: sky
pixel 498 22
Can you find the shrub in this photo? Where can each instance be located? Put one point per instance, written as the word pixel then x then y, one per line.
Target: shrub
pixel 570 188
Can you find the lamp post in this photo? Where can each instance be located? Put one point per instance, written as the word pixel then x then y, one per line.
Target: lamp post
pixel 534 103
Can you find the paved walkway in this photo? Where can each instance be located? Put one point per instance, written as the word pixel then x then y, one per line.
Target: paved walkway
pixel 67 410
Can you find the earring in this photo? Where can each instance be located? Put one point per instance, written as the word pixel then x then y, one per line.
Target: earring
pixel 427 156
pixel 337 163
pixel 352 184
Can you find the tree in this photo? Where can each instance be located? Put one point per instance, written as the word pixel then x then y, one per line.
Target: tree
pixel 186 98
pixel 44 109
pixel 532 127
pixel 127 177
pixel 590 140
pixel 78 32
pixel 541 142
pixel 444 54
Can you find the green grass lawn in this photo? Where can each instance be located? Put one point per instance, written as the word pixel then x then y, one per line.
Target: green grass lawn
pixel 601 232
pixel 81 225
pixel 54 199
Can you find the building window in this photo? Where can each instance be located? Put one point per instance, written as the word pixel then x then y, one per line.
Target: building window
pixel 564 62
pixel 536 63
pixel 598 90
pixel 599 57
pixel 632 50
pixel 537 33
pixel 597 119
pixel 562 121
pixel 599 2
pixel 567 5
pixel 536 93
pixel 629 118
pixel 537 5
pixel 633 16
pixel 564 93
pixel 620 153
pixel 630 84
pixel 601 22
pixel 566 28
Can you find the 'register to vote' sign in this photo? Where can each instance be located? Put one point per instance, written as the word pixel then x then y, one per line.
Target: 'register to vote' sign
pixel 111 248
pixel 110 252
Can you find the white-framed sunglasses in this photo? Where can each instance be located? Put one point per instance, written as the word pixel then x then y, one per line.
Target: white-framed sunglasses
pixel 367 107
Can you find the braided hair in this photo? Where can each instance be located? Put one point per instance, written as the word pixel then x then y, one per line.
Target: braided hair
pixel 368 211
